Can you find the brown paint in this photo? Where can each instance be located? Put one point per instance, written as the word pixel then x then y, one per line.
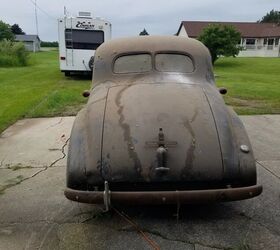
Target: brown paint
pixel 115 137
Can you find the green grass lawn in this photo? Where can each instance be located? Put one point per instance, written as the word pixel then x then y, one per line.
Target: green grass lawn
pixel 253 84
pixel 39 90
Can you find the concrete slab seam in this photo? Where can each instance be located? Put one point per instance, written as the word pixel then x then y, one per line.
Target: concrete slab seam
pixel 267 169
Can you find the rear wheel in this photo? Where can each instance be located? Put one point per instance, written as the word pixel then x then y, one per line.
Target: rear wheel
pixel 91 62
pixel 67 73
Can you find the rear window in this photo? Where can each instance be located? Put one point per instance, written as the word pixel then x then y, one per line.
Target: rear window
pixel 136 63
pixel 168 62
pixel 83 39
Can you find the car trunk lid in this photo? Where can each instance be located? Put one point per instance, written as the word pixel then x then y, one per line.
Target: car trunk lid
pixel 159 133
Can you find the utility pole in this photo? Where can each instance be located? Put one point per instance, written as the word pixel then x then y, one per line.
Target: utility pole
pixel 36 18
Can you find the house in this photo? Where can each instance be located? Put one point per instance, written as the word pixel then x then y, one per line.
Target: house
pixel 257 39
pixel 31 42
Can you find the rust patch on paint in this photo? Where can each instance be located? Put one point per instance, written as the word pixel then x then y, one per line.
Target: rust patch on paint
pixel 190 152
pixel 127 133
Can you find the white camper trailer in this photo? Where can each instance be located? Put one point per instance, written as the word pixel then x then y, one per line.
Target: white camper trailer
pixel 79 37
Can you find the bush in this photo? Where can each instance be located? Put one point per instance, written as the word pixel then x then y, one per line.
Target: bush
pixel 13 54
pixel 49 44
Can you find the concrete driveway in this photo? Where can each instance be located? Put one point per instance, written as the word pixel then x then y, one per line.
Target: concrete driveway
pixel 34 213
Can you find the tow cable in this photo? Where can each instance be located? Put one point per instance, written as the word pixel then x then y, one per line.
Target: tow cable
pixel 153 244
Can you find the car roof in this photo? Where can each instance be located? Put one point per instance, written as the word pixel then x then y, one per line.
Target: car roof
pixel 109 51
pixel 154 44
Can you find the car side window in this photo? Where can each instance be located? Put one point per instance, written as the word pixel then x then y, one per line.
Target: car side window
pixel 136 63
pixel 169 62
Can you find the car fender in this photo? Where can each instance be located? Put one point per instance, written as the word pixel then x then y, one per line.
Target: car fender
pixel 247 165
pixel 84 154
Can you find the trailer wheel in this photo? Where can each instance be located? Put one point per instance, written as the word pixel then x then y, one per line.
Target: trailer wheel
pixel 67 73
pixel 91 62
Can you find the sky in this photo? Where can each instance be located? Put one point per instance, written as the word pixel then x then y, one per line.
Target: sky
pixel 129 18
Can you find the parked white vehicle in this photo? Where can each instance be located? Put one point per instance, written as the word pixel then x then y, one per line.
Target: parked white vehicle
pixel 79 37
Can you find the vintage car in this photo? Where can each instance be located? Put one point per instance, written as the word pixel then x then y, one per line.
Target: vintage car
pixel 156 130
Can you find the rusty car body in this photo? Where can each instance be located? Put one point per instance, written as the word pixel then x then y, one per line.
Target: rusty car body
pixel 156 129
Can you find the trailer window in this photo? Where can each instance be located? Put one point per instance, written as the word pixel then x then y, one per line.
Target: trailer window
pixel 83 39
pixel 168 62
pixel 133 63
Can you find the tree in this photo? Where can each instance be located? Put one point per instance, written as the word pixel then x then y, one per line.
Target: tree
pixel 221 40
pixel 144 33
pixel 17 30
pixel 5 31
pixel 271 17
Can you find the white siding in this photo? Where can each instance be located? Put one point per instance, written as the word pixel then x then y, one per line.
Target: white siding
pixel 183 32
pixel 260 53
pixel 33 46
pixel 259 49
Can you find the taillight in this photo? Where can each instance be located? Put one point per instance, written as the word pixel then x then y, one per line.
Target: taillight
pixel 62 58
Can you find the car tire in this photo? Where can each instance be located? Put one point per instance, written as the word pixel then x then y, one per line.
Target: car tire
pixel 91 63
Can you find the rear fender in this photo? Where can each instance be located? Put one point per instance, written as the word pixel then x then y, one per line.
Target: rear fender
pixel 247 165
pixel 84 158
pixel 76 161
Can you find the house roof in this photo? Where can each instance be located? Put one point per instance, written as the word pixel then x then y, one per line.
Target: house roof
pixel 27 38
pixel 194 28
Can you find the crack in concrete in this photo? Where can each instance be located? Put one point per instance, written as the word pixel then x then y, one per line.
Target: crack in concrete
pixel 57 123
pixel 251 220
pixel 96 215
pixel 1 163
pixel 23 167
pixel 90 218
pixel 30 167
pixel 40 171
pixel 267 169
pixel 156 233
pixel 63 154
pixel 259 223
pixel 59 223
pixel 131 229
pixel 5 224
